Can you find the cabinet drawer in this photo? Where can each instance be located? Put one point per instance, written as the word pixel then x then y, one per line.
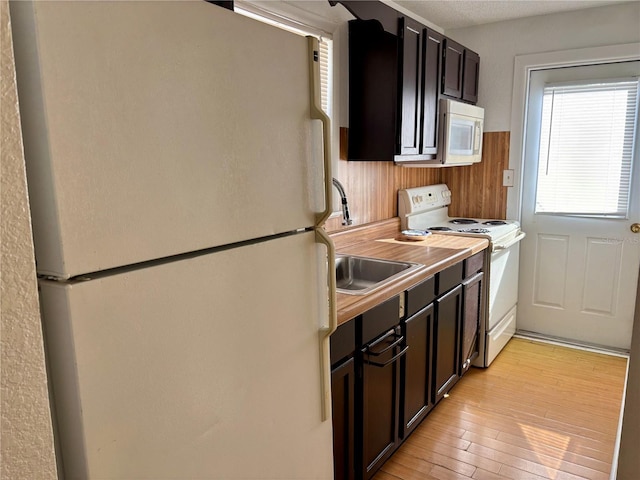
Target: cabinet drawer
pixel 420 296
pixel 473 264
pixel 379 319
pixel 449 278
pixel 343 341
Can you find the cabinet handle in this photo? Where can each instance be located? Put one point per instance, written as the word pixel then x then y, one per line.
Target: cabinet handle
pixel 319 114
pixel 470 281
pixel 398 341
pixel 388 362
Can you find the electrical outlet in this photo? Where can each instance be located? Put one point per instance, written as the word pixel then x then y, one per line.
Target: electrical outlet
pixel 507 178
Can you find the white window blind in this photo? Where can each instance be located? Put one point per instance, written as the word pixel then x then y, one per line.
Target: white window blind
pixel 586 148
pixel 325 74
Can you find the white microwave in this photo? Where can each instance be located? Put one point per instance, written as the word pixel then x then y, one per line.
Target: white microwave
pixel 460 130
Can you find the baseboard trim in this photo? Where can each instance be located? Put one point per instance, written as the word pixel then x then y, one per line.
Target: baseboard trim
pixel 564 342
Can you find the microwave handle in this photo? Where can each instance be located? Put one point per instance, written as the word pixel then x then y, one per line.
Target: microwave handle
pixel 476 138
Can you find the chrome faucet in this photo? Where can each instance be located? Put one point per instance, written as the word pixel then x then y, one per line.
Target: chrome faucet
pixel 345 207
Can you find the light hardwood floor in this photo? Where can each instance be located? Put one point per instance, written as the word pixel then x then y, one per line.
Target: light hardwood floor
pixel 539 412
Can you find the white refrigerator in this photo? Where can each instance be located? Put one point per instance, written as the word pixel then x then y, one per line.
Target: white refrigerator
pixel 177 179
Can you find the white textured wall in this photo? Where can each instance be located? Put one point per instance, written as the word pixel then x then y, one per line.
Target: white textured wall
pixel 26 439
pixel 499 43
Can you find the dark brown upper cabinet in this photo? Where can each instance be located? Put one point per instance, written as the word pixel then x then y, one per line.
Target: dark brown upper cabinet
pixel 452 66
pixel 411 34
pixel 432 48
pixel 394 85
pixel 460 71
pixel 396 78
pixel 420 77
pixel 373 91
pixel 228 4
pixel 470 76
pixel 371 10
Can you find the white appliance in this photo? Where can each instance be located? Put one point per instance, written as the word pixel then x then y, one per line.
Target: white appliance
pixel 176 184
pixel 426 208
pixel 460 130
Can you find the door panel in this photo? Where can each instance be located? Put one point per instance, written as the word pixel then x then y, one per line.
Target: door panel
pixel 578 274
pixel 601 287
pixel 551 270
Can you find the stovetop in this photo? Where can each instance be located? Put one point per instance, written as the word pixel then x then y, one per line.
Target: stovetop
pixel 426 208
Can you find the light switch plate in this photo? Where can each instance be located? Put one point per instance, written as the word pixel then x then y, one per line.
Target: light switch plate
pixel 507 178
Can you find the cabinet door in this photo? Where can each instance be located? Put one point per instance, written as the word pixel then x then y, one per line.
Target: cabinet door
pixel 452 68
pixel 470 76
pixel 411 99
pixel 432 47
pixel 380 400
pixel 446 341
pixel 416 370
pixel 373 95
pixel 471 318
pixel 343 401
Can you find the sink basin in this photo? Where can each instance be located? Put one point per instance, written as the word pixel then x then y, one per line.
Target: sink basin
pixel 361 275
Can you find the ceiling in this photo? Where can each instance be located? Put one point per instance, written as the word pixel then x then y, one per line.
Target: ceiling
pixel 442 15
pixel 450 14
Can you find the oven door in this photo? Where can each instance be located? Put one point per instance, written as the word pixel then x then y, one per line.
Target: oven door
pixel 503 296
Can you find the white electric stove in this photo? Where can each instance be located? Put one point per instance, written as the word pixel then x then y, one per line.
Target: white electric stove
pixel 427 208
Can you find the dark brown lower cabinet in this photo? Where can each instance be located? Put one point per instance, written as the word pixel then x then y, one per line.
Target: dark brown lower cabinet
pixel 446 342
pixel 393 363
pixel 472 293
pixel 343 401
pixel 380 389
pixel 416 370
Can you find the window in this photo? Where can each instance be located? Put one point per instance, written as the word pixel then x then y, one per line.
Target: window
pixel 586 148
pixel 300 28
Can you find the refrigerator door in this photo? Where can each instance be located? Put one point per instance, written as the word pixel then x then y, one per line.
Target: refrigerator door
pixel 157 128
pixel 206 367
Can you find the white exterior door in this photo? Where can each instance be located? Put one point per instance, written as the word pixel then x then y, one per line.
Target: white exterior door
pixel 579 267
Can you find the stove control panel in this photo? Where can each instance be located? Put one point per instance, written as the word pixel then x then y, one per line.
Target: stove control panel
pixel 423 199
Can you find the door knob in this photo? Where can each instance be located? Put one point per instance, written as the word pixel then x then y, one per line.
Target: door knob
pixel 635 227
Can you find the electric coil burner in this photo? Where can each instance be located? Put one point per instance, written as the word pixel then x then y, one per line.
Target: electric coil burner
pixel 427 208
pixel 463 221
pixel 494 222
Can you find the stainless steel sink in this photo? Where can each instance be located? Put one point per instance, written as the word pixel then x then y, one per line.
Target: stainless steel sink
pixel 361 275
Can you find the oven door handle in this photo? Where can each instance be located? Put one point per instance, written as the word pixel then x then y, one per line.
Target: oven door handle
pixel 513 241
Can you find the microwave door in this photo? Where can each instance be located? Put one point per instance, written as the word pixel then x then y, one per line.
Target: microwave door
pixel 462 137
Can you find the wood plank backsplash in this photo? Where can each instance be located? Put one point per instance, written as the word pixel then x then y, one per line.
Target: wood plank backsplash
pixel 372 187
pixel 477 190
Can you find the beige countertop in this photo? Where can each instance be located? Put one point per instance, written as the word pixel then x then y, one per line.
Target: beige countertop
pixel 382 240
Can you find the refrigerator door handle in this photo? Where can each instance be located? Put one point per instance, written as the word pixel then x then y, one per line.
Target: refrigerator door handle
pixel 319 114
pixel 326 331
